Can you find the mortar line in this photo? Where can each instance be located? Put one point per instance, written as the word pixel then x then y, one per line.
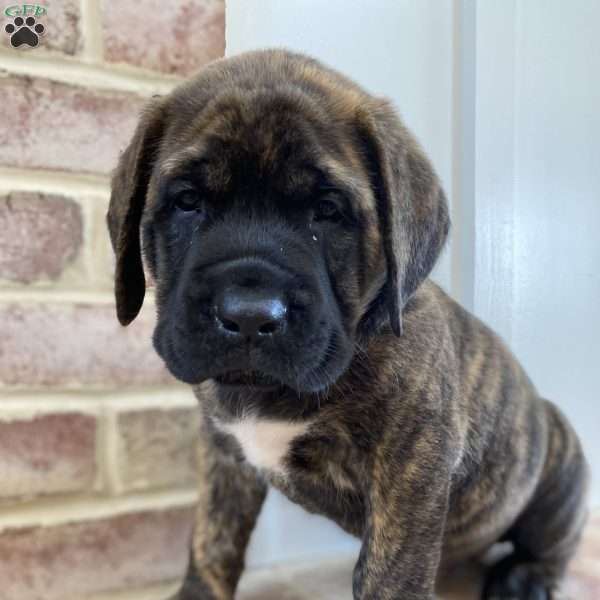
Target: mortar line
pixel 177 394
pixel 61 510
pixel 33 295
pixel 87 248
pixel 164 401
pixel 91 31
pixel 13 409
pixel 53 182
pixel 155 592
pixel 110 452
pixel 120 78
pixel 87 388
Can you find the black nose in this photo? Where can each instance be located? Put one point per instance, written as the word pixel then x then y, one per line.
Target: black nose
pixel 250 312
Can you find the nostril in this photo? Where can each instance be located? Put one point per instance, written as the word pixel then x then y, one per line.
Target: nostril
pixel 268 328
pixel 230 326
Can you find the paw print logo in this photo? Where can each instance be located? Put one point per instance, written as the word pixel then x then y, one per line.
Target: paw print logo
pixel 24 32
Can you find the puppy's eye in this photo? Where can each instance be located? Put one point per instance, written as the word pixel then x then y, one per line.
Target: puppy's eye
pixel 327 210
pixel 188 201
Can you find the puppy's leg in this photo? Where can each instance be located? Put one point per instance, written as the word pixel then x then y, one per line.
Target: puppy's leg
pixel 407 509
pixel 231 496
pixel 546 535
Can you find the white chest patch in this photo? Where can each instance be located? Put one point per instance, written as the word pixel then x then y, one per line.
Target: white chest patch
pixel 265 443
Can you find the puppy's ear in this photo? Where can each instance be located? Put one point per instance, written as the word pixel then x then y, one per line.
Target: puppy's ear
pixel 411 204
pixel 128 196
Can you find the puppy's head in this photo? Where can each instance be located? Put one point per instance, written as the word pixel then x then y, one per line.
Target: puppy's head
pixel 285 214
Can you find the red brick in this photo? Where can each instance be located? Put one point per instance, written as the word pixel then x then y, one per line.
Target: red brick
pixel 69 345
pixel 72 561
pixel 62 23
pixel 58 126
pixel 158 448
pixel 184 34
pixel 40 235
pixel 47 454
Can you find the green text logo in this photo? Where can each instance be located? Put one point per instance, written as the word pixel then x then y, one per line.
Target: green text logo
pixel 23 10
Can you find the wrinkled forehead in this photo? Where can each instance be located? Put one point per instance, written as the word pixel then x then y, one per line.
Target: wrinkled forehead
pixel 269 142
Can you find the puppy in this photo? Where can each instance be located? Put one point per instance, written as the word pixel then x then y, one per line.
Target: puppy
pixel 290 222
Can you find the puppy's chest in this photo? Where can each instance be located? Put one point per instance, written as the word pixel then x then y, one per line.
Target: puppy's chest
pixel 269 444
pixel 265 443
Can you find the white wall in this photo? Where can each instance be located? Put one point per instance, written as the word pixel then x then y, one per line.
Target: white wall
pixel 504 97
pixel 538 196
pixel 557 209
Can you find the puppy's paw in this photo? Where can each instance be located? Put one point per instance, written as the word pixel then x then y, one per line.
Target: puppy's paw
pixel 514 580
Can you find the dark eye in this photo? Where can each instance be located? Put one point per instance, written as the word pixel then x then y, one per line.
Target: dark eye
pixel 188 201
pixel 327 210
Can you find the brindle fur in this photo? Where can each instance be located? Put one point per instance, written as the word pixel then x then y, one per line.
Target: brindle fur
pixel 432 444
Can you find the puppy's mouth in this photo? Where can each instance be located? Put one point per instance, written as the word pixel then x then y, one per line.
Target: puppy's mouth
pixel 248 378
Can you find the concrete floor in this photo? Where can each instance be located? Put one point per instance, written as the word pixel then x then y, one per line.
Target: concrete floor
pixel 332 580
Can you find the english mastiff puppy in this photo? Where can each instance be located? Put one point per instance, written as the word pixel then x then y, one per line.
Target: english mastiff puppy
pixel 290 222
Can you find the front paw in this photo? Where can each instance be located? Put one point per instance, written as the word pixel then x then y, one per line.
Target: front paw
pixel 199 590
pixel 514 580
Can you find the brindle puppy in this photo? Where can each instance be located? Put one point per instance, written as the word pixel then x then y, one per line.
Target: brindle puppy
pixel 290 222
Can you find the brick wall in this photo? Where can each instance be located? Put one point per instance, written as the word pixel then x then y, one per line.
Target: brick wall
pixel 96 440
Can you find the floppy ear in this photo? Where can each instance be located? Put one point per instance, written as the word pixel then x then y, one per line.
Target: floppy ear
pixel 411 204
pixel 127 200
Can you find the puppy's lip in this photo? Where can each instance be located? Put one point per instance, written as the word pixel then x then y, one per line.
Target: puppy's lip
pixel 247 379
pixel 240 389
